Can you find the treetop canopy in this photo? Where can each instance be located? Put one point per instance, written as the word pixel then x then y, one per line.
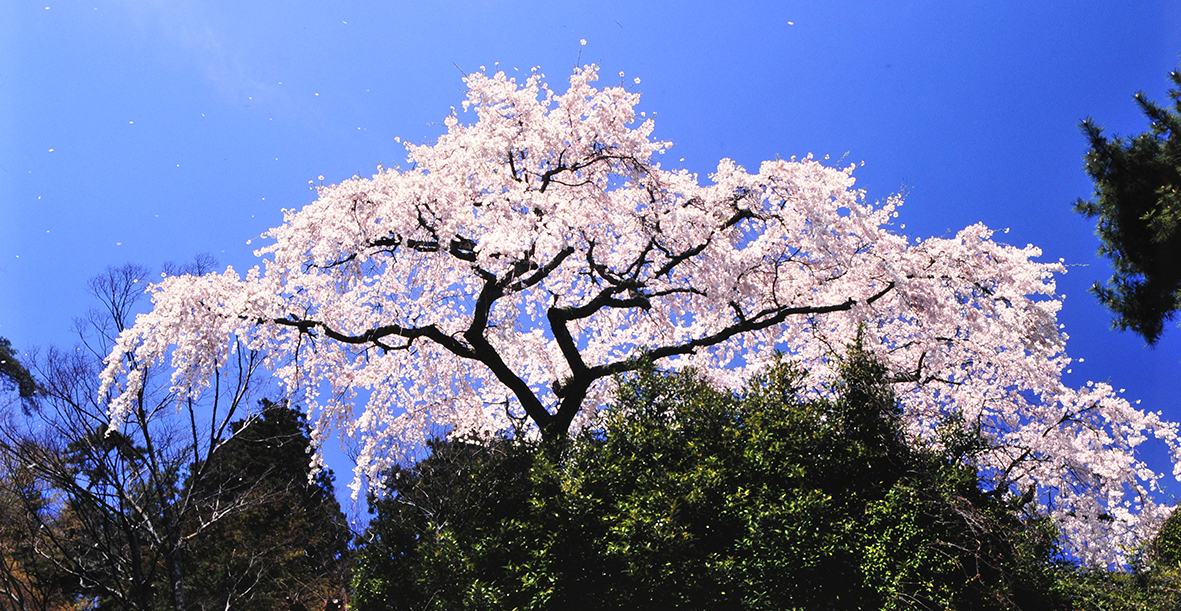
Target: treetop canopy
pixel 521 261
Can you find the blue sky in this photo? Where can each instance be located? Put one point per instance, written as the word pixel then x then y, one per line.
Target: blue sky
pixel 149 131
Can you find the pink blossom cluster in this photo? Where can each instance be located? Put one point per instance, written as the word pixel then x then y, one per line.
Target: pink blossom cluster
pixel 525 258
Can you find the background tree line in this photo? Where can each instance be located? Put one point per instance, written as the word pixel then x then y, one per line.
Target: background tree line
pixel 186 505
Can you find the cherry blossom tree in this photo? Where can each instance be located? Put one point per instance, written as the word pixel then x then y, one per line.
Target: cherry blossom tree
pixel 525 258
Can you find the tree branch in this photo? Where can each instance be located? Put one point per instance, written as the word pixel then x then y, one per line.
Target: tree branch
pixel 374 335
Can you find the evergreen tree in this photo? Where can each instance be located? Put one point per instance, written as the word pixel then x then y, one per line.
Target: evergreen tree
pixel 14 376
pixel 288 548
pixel 1139 209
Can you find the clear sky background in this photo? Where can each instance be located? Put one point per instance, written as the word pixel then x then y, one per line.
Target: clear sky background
pixel 149 131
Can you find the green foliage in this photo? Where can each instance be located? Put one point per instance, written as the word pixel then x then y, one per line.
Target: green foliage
pixel 1097 589
pixel 268 538
pixel 1138 205
pixel 686 497
pixel 1154 582
pixel 1165 550
pixel 13 374
pixel 465 521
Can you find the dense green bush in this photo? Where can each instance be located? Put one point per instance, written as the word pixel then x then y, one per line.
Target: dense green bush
pixel 687 497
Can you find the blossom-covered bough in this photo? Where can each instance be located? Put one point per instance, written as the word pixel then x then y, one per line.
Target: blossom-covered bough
pixel 525 258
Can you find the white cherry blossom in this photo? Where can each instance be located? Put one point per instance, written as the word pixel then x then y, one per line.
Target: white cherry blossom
pixel 532 253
